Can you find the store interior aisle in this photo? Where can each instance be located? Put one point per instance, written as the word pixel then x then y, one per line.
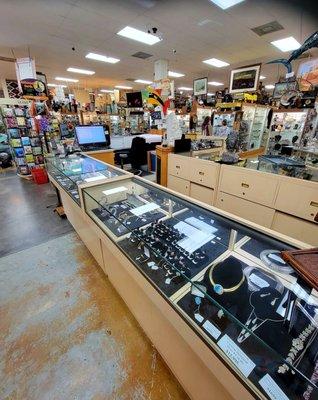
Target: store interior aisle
pixel 64 331
pixel 26 214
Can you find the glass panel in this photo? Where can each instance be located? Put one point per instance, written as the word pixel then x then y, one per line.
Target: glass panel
pixel 227 280
pixel 70 171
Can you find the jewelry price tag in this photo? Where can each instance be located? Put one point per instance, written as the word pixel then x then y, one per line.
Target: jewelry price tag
pixel 272 390
pixel 212 329
pixel 236 355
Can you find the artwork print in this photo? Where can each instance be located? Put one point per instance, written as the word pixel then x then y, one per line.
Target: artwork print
pixel 245 79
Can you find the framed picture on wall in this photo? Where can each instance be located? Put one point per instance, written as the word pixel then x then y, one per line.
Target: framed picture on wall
pixel 245 79
pixel 200 86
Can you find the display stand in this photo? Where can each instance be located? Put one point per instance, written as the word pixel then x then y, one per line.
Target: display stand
pixel 162 164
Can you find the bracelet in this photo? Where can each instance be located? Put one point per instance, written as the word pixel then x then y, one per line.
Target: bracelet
pixel 218 288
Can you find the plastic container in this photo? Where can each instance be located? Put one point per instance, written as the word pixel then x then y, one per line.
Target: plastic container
pixel 39 175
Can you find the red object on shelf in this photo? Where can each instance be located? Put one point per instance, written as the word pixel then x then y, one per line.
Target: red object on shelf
pixel 39 175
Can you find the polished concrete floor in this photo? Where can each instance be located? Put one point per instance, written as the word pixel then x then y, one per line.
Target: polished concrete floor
pixel 26 214
pixel 64 331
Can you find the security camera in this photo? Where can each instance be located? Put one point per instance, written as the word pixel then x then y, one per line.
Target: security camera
pixel 174 51
pixel 154 30
pixel 73 48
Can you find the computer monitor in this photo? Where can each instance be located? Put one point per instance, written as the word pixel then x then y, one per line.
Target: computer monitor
pixel 182 145
pixel 92 135
pixel 134 99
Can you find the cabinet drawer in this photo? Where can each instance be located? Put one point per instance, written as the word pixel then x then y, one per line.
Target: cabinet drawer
pixel 245 209
pixel 298 199
pixel 201 193
pixel 179 166
pixel 204 173
pixel 179 185
pixel 250 185
pixel 296 228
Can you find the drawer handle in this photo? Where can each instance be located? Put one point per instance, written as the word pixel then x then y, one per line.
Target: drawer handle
pixel 245 185
pixel 178 166
pixel 201 173
pixel 314 203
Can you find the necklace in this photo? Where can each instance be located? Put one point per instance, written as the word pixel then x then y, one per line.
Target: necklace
pixel 218 288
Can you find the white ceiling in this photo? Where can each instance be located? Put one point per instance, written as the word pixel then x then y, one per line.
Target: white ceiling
pixel 197 29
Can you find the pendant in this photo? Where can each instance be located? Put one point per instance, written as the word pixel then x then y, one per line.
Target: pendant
pixel 218 289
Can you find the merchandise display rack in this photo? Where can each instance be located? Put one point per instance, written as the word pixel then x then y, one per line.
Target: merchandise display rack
pixel 23 136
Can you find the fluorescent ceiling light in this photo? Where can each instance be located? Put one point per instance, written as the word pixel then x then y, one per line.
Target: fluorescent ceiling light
pixel 56 84
pixel 211 94
pixel 175 74
pixel 59 78
pixel 224 4
pixel 106 91
pixel 143 81
pixel 123 87
pixel 184 88
pixel 99 57
pixel 213 83
pixel 262 77
pixel 269 86
pixel 216 63
pixel 80 71
pixel 286 44
pixel 140 36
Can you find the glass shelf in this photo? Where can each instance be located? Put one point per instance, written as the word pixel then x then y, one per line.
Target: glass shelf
pixel 227 280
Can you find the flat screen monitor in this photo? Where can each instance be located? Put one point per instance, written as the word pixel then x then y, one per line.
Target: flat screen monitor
pixel 92 135
pixel 182 145
pixel 134 99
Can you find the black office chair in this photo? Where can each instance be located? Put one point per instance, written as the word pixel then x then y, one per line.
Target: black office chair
pixel 137 156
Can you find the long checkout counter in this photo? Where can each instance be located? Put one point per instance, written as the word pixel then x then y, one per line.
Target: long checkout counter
pixel 209 289
pixel 285 204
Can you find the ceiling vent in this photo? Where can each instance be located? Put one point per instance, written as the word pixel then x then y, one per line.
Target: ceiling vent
pixel 142 55
pixel 270 27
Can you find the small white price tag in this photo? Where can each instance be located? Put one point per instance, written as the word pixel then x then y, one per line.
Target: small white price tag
pixel 167 281
pixel 272 390
pixel 236 355
pixel 146 252
pixel 151 263
pixel 154 267
pixel 198 317
pixel 212 329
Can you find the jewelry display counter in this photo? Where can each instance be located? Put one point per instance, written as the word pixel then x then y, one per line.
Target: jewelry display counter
pixel 210 290
pixel 282 203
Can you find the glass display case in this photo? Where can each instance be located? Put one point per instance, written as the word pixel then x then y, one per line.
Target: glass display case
pixel 73 170
pixel 255 117
pixel 227 281
pixel 115 123
pixel 286 128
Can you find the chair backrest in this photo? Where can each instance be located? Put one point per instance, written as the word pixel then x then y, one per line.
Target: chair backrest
pixel 138 152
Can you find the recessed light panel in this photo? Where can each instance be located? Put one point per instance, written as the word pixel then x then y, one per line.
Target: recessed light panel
pixel 106 91
pixel 286 44
pixel 59 78
pixel 262 77
pixel 56 84
pixel 216 63
pixel 185 88
pixel 100 57
pixel 143 81
pixel 213 83
pixel 224 4
pixel 123 87
pixel 269 86
pixel 80 71
pixel 139 36
pixel 175 74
